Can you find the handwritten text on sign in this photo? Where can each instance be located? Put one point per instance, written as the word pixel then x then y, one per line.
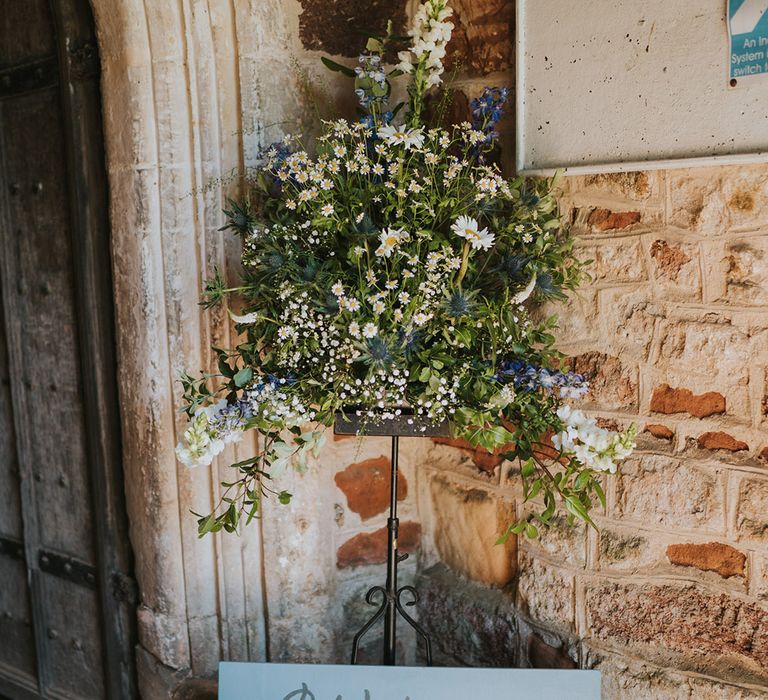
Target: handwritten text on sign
pixel 242 681
pixel 748 32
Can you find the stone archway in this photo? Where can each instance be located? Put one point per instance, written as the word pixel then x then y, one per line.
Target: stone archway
pixel 172 116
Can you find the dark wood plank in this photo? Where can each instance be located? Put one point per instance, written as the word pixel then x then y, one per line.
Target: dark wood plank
pixel 26 31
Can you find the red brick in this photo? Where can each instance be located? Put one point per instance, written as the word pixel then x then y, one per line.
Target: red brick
pixel 665 399
pixel 712 556
pixel 371 547
pixel 669 259
pixel 366 486
pixel 606 220
pixel 659 431
pixel 764 454
pixel 721 441
pixel 484 460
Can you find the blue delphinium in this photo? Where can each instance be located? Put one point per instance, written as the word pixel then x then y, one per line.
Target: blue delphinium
pixel 527 377
pixel 487 111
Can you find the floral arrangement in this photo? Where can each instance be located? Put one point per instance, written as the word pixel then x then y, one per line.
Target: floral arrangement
pixel 392 268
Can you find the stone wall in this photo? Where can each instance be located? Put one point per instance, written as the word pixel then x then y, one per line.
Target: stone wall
pixel 668 598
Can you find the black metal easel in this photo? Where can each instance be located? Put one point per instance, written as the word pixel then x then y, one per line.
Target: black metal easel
pixel 390 598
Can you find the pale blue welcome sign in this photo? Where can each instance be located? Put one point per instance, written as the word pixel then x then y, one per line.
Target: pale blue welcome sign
pixel 748 31
pixel 249 681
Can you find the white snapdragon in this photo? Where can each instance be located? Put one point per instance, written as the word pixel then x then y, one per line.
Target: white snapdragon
pixel 593 446
pixel 430 34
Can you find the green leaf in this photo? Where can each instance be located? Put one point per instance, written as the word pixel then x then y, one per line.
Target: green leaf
pixel 243 377
pixel 284 497
pixel 337 67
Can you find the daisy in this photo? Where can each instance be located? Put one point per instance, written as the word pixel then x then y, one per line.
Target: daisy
pixel 285 332
pixel 468 228
pixel 327 210
pixel 421 318
pixel 378 169
pixel 338 289
pixel 403 297
pixel 392 284
pixel 378 307
pixel 389 238
pixel 352 304
pixel 397 315
pixel 354 329
pixel 370 330
pixel 410 138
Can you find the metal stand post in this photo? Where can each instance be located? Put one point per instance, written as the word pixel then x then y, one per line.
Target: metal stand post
pixel 390 603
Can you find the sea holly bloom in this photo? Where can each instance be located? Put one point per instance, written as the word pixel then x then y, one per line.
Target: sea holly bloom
pixel 468 228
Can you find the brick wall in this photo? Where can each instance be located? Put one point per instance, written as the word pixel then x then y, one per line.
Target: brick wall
pixel 669 598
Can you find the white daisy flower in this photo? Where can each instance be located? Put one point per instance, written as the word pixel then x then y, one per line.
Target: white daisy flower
pixel 370 330
pixel 354 329
pixel 352 304
pixel 327 210
pixel 338 289
pixel 468 228
pixel 389 238
pixel 421 318
pixel 378 307
pixel 403 297
pixel 410 138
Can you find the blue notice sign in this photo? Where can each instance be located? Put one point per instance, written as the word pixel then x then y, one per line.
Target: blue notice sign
pixel 255 681
pixel 748 32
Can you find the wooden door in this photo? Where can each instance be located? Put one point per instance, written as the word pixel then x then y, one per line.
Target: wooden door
pixel 67 605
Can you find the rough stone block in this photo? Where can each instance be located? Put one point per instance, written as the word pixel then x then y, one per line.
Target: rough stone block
pixel 626 321
pixel 635 186
pixel 624 678
pixel 336 27
pixel 371 547
pixel 711 556
pixel 366 486
pixel 560 542
pixel 468 521
pixel 675 268
pixel 615 260
pixel 683 627
pixel 752 510
pixel 612 384
pixel 482 36
pixel 747 273
pixel 661 490
pixel 624 550
pixel 717 350
pixel 470 624
pixel 546 593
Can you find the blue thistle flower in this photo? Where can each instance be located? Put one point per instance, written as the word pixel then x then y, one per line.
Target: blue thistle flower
pixel 487 111
pixel 458 303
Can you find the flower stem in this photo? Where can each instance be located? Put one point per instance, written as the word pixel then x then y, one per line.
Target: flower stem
pixel 464 264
